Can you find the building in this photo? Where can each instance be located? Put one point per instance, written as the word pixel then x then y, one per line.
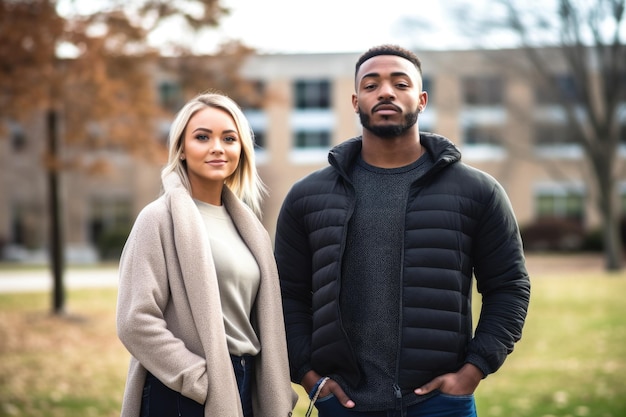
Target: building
pixel 503 123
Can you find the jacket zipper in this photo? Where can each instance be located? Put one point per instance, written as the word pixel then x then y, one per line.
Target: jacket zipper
pixel 396 385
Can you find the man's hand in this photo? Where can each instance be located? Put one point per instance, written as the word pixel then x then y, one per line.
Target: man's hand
pixel 311 377
pixel 463 382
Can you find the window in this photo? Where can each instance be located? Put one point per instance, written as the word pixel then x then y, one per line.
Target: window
pixel 560 202
pixel 553 134
pixel 18 137
pixel 259 139
pixel 112 212
pixel 170 95
pixel 305 139
pixel 110 224
pixel 482 91
pixel 564 89
pixel 258 123
pixel 483 135
pixel 311 94
pixel 427 85
pixel 26 225
pixel 483 141
pixel 622 83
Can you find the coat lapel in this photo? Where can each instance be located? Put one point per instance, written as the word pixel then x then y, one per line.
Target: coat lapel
pixel 200 280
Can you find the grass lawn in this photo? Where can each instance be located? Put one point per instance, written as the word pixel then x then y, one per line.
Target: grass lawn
pixel 571 361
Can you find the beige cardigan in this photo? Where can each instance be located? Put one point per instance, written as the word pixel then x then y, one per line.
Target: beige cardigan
pixel 169 314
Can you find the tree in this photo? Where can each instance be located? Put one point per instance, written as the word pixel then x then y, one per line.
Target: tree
pixel 100 94
pixel 590 37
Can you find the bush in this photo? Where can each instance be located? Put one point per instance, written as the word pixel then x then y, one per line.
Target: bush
pixel 111 243
pixel 594 239
pixel 553 234
pixel 622 228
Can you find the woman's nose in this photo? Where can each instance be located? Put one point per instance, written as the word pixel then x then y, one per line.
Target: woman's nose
pixel 216 146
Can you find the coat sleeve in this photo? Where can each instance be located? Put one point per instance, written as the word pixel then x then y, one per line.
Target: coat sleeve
pixel 503 282
pixel 293 259
pixel 143 295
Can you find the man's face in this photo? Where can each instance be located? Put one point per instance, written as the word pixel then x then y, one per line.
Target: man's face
pixel 388 95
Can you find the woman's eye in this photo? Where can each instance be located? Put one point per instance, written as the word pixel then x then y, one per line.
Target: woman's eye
pixel 230 139
pixel 202 137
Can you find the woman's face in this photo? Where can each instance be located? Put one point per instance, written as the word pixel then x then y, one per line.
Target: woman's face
pixel 211 147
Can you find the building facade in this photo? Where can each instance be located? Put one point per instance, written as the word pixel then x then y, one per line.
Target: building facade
pixel 504 125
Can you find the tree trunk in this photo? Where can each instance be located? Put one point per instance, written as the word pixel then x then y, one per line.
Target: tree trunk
pixel 603 165
pixel 613 250
pixel 612 244
pixel 56 238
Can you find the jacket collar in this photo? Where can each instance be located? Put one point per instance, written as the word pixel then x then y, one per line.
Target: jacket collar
pixel 442 151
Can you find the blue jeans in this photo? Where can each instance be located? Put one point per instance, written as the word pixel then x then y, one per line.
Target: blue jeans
pixel 441 405
pixel 244 372
pixel 161 401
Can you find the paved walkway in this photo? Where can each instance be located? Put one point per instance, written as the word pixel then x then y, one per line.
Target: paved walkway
pixel 40 279
pixel 557 264
pixel 19 280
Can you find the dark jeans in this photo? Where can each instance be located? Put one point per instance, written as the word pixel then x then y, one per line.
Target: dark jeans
pixel 161 401
pixel 440 405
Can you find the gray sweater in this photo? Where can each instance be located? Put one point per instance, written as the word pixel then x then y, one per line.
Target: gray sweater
pixel 370 296
pixel 238 278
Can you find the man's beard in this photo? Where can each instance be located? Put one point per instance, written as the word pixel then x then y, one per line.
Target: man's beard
pixel 388 131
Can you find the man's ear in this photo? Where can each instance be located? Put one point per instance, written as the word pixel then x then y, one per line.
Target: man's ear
pixel 355 103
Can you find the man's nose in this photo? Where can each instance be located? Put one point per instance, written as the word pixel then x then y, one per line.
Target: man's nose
pixel 386 92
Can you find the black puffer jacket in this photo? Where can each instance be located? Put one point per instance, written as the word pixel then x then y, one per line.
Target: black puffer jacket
pixel 459 222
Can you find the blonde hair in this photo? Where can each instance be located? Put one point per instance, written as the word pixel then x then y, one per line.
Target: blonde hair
pixel 245 182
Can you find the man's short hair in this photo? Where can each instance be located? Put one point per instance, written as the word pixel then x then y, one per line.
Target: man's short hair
pixel 388 49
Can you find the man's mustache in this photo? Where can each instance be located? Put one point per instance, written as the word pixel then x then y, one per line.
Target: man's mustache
pixel 386 103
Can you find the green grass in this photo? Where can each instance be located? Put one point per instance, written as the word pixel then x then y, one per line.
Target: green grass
pixel 571 361
pixel 572 357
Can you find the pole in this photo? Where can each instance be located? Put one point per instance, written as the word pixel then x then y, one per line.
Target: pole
pixel 56 239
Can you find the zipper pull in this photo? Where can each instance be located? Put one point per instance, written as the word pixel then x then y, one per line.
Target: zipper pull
pixel 399 406
pixel 397 391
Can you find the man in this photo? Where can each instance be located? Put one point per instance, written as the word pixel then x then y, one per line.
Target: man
pixel 376 255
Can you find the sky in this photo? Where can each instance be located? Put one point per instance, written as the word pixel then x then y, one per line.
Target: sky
pixel 292 26
pixel 320 26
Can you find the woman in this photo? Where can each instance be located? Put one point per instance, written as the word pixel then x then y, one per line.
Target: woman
pixel 199 305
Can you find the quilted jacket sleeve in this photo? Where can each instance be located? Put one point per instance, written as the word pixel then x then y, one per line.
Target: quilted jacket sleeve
pixel 503 282
pixel 293 258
